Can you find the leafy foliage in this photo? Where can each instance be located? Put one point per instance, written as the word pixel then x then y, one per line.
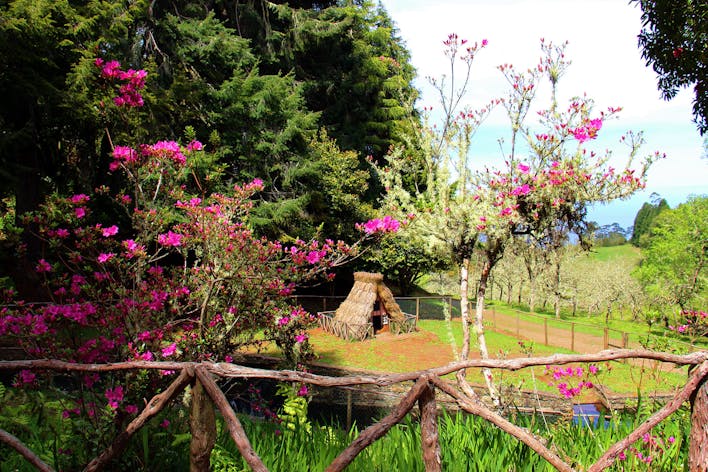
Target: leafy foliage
pixel 674 41
pixel 673 267
pixel 645 219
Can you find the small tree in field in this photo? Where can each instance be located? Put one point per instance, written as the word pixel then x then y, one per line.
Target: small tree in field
pixel 541 195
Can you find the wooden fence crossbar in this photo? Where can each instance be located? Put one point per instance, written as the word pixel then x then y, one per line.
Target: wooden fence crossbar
pixel 422 392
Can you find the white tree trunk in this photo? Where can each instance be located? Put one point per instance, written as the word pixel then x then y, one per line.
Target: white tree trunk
pixel 479 330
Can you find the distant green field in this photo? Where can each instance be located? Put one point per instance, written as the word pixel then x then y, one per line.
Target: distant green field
pixel 626 251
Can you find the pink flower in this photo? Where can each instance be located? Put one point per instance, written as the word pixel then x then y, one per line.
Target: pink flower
pixel 170 239
pixel 43 266
pixel 300 338
pixel 110 231
pixel 105 257
pixel 313 257
pixel 195 146
pixel 26 377
pixel 131 409
pixel 79 199
pixel 110 70
pixel 228 359
pixel 165 423
pixel 114 396
pixel 169 350
pixel 523 168
pixel 80 212
pixel 484 42
pixel 593 369
pixel 303 391
pixel 521 190
pixel 385 225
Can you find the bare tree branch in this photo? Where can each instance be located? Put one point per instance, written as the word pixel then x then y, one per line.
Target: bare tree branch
pixel 154 406
pixel 375 431
pixel 521 434
pixel 611 454
pixel 17 445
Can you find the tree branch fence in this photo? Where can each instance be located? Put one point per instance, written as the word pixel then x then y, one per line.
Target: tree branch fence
pixel 206 394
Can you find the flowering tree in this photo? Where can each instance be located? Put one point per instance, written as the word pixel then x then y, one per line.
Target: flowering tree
pixel 543 195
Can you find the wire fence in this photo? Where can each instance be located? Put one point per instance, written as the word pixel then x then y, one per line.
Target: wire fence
pixel 572 335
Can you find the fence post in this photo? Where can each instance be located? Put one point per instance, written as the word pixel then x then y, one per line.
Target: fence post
pixel 545 331
pixel 324 303
pixel 429 437
pixel 625 340
pixel 202 423
pixel 349 410
pixel 572 336
pixel 697 452
pixel 417 308
pixel 606 340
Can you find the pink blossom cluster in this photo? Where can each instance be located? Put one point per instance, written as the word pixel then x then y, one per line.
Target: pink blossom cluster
pixel 587 130
pixel 133 81
pixel 387 224
pixel 693 322
pixel 564 388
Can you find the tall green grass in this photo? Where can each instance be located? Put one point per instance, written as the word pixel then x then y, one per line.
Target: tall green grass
pixel 467 443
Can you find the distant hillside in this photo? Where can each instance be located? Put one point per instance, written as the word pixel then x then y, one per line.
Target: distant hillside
pixel 626 251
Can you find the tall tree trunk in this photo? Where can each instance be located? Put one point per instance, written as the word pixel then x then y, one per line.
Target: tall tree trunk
pixel 465 310
pixel 509 289
pixel 521 288
pixel 532 295
pixel 479 330
pixel 556 290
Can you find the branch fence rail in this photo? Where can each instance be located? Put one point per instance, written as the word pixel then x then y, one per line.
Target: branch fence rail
pixel 206 394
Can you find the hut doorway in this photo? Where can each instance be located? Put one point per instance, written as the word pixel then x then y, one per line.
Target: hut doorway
pixel 379 317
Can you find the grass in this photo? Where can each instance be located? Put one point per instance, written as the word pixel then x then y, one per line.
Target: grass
pixel 375 355
pixel 466 443
pixel 626 251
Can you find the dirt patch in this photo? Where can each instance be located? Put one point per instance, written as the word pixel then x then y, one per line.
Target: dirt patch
pixel 385 352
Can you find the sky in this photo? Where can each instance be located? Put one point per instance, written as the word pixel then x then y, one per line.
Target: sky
pixel 606 65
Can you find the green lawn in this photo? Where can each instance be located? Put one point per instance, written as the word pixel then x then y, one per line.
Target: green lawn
pixel 625 251
pixel 435 335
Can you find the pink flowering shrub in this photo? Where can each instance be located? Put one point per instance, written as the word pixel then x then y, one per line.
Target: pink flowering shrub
pixel 183 277
pixel 132 81
pixel 691 323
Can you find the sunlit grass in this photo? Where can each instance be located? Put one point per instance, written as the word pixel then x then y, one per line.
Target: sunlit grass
pixel 434 337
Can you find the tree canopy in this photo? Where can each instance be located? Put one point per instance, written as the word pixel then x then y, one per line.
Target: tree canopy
pixel 673 267
pixel 255 81
pixel 674 41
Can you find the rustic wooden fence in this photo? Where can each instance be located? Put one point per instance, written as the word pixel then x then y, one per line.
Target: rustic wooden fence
pixel 205 391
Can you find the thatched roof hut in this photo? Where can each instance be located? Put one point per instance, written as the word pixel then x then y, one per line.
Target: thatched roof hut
pixel 360 304
pixel 368 309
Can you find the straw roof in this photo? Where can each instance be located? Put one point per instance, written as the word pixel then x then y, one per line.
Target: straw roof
pixel 357 308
